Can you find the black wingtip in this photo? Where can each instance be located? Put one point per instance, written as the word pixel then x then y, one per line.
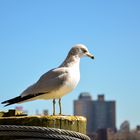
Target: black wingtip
pixel 10 101
pixel 19 99
pixel 4 102
pixel 6 105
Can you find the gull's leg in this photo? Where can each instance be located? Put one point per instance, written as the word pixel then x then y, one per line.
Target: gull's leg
pixel 60 107
pixel 54 106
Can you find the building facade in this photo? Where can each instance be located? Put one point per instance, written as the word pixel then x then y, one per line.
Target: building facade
pixel 100 114
pixel 84 107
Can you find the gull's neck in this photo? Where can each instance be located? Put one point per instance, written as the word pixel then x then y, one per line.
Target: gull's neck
pixel 70 61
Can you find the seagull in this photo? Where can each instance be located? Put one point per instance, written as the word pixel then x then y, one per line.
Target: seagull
pixel 57 82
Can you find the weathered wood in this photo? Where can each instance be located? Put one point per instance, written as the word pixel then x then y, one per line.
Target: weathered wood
pixel 12 112
pixel 74 123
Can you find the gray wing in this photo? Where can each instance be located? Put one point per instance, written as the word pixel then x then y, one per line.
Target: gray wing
pixel 48 82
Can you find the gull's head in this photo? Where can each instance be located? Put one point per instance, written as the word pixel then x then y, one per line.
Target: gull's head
pixel 80 50
pixel 75 54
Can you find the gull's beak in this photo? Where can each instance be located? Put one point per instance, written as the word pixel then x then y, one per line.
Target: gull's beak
pixel 90 55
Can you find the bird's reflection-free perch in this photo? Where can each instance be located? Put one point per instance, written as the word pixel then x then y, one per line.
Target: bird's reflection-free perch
pixel 60 125
pixel 17 119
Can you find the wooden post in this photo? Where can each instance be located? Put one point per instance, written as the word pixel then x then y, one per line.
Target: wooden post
pixel 73 123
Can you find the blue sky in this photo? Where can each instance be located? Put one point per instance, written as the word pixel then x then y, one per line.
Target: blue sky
pixel 36 35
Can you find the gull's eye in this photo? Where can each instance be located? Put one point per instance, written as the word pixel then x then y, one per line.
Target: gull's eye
pixel 84 51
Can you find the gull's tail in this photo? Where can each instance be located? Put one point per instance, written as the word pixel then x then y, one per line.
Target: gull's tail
pixel 20 99
pixel 13 100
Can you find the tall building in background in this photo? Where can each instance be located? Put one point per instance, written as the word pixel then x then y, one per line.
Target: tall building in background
pixel 84 107
pixel 100 114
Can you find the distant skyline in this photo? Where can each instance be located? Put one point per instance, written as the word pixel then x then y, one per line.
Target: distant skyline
pixel 35 36
pixel 100 113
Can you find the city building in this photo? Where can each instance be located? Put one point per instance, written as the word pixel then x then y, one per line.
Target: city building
pixel 125 127
pixel 100 114
pixel 84 107
pixel 124 135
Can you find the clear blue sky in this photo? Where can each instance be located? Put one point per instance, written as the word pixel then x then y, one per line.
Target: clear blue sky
pixel 35 36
